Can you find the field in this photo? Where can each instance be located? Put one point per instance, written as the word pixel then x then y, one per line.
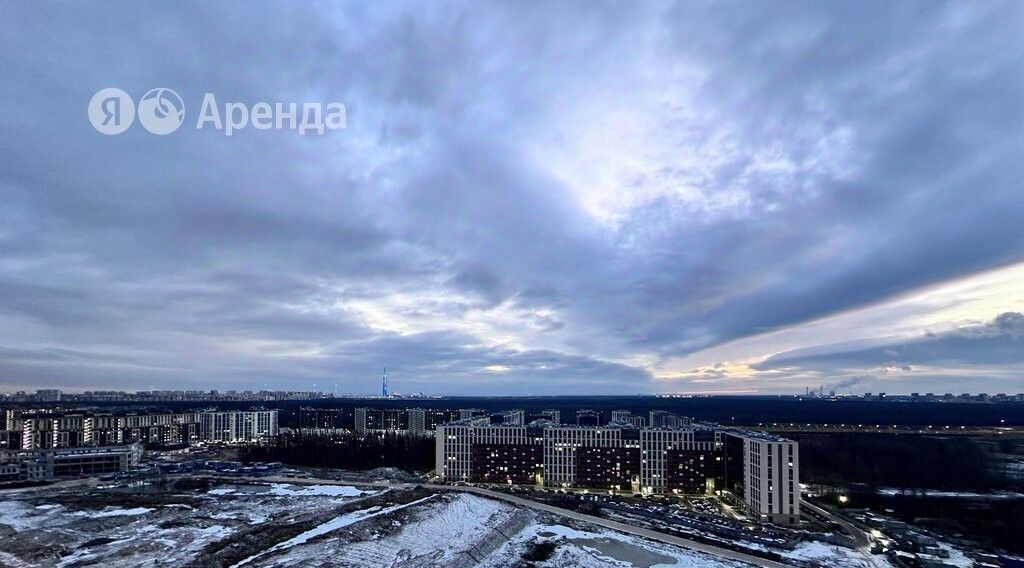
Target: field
pixel 207 524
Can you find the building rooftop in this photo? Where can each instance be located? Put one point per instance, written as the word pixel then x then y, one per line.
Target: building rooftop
pixel 755 435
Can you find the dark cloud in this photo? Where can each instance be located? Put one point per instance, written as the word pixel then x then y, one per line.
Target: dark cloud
pixel 1010 323
pixel 768 166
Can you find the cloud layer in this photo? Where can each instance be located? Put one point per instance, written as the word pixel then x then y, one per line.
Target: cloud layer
pixel 525 201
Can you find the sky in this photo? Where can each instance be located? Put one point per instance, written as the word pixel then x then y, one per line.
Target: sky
pixel 527 199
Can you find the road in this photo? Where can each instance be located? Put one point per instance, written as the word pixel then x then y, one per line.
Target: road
pixel 614 525
pixel 859 536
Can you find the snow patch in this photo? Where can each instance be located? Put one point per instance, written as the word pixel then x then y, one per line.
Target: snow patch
pixel 837 556
pixel 285 490
pixel 115 512
pixel 995 495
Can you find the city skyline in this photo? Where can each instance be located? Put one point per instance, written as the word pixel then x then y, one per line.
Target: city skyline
pixel 648 198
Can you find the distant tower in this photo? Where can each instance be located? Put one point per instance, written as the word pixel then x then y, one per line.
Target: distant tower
pixel 384 382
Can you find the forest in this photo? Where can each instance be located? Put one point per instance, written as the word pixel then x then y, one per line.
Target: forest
pixel 414 454
pixel 903 461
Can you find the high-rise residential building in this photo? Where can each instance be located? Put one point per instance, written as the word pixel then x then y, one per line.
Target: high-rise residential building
pixel 659 443
pixel 455 442
pixel 694 472
pixel 424 421
pixel 35 430
pixel 326 420
pixel 233 426
pixel 770 484
pixel 381 420
pixel 48 395
pixel 417 421
pixel 45 430
pixel 564 448
pixel 761 471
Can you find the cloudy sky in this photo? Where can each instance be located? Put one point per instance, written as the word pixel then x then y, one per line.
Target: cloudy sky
pixel 528 198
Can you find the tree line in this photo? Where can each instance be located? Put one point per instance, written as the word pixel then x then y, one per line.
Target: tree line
pixel 408 453
pixel 899 460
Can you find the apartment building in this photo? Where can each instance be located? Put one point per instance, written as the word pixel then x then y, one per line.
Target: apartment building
pixel 47 430
pixel 514 417
pixel 564 447
pixel 381 420
pixel 769 485
pixel 326 421
pixel 455 443
pixel 659 443
pixel 552 415
pixel 665 419
pixel 627 417
pixel 424 421
pixel 235 426
pixel 761 471
pixel 585 417
pixel 694 472
pixel 47 464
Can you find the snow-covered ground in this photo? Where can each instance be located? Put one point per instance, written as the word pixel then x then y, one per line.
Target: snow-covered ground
pixel 285 490
pixel 837 556
pixel 466 530
pixel 435 530
pixel 600 548
pixel 115 512
pixel 951 494
pixel 51 527
pixel 334 525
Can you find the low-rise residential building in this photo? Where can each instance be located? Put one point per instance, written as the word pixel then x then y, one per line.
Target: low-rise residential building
pixel 585 417
pixel 627 417
pixel 46 464
pixel 666 419
pixel 552 415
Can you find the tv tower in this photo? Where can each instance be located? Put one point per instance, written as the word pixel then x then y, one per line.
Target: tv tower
pixel 384 382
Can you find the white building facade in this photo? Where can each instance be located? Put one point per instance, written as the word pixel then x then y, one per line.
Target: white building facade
pixel 772 483
pixel 235 426
pixel 453 458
